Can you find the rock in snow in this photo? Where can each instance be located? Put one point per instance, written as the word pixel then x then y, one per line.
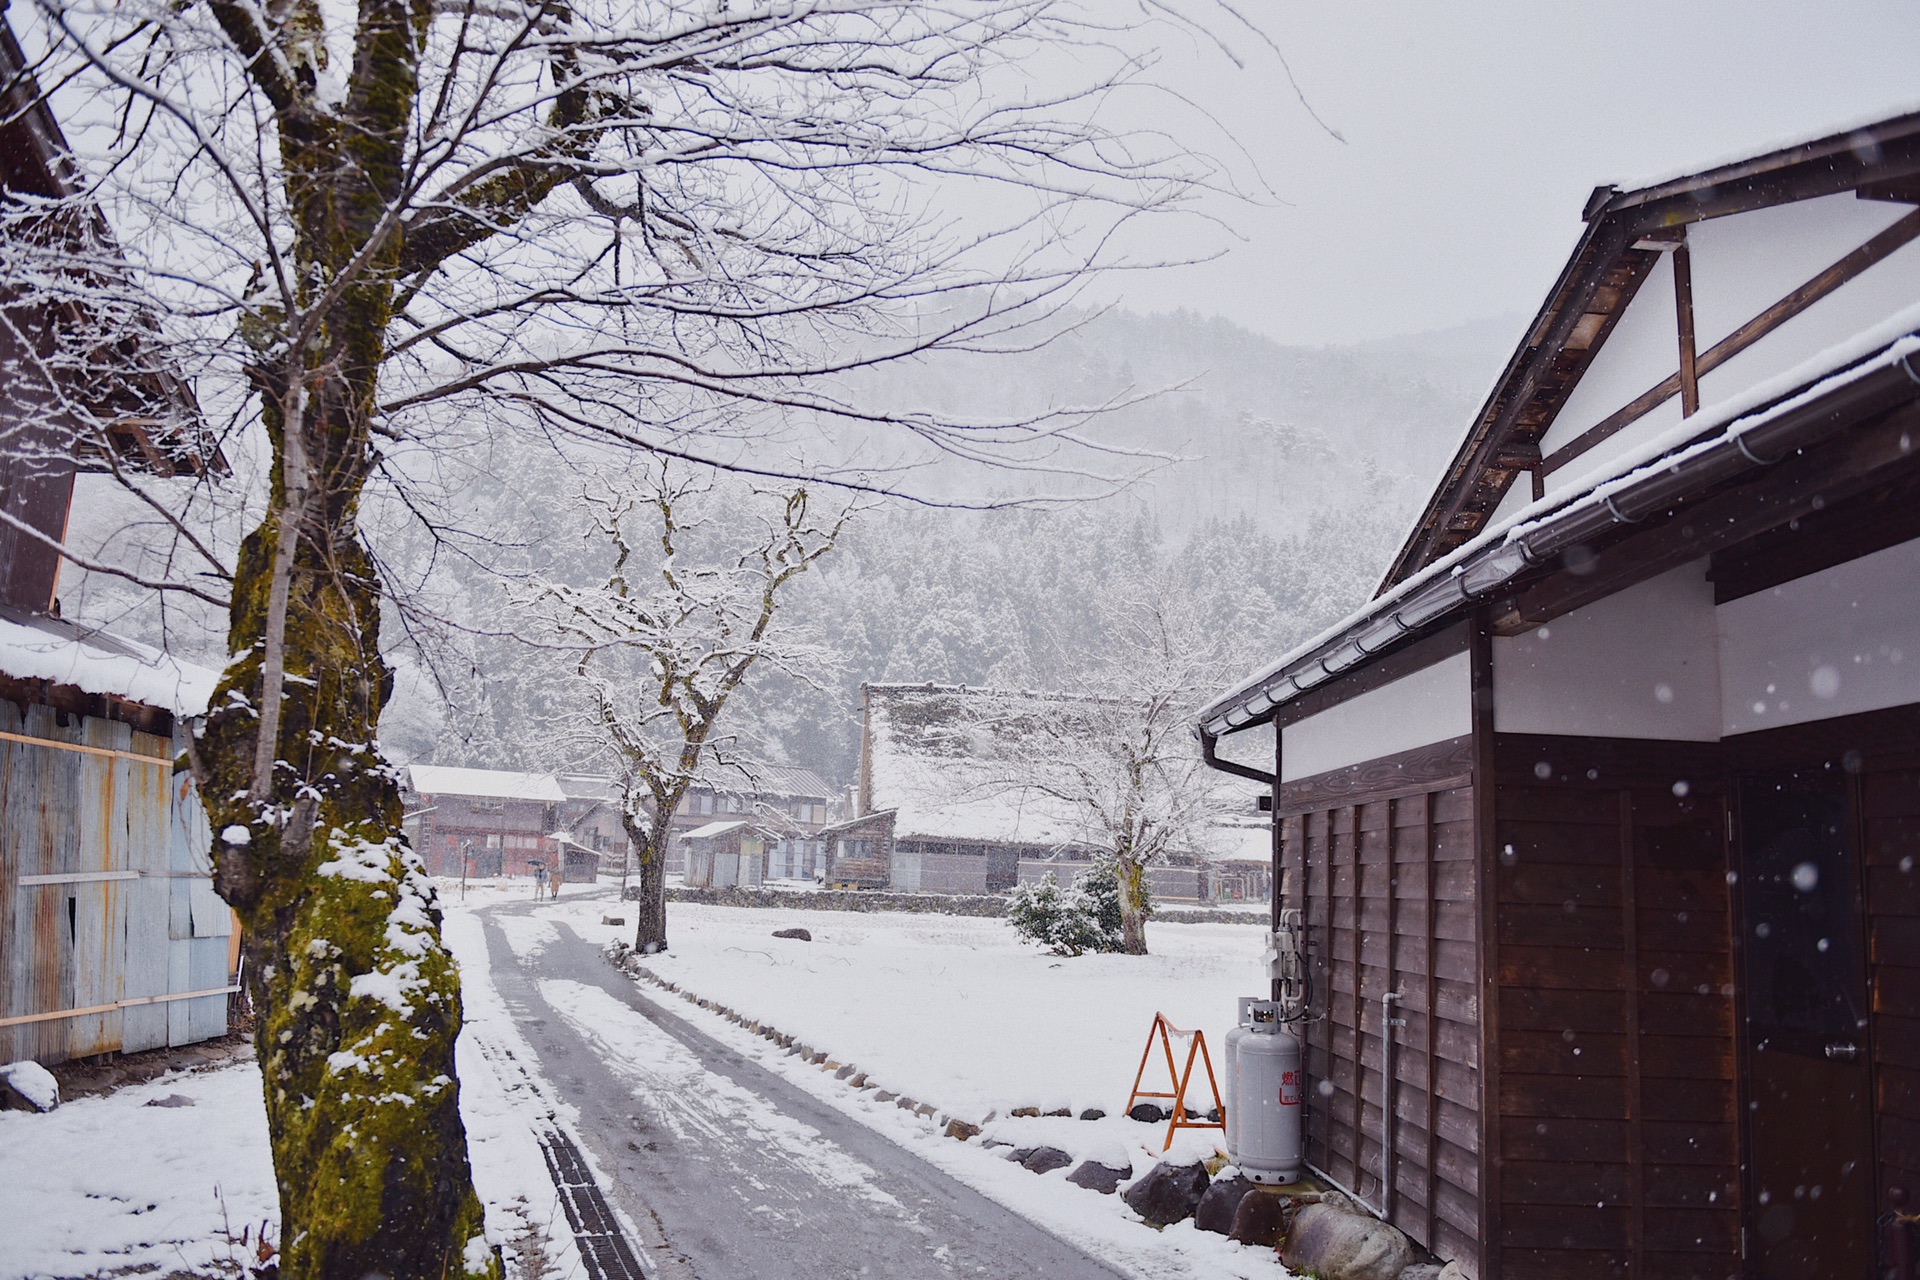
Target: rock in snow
pixel 1215 1211
pixel 1095 1176
pixel 798 935
pixel 1333 1244
pixel 1168 1193
pixel 1263 1217
pixel 1046 1160
pixel 31 1083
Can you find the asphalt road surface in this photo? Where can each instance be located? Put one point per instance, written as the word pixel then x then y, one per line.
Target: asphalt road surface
pixel 729 1170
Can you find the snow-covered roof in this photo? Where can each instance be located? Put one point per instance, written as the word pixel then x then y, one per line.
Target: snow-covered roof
pixel 36 647
pixel 945 758
pixel 587 786
pixel 1844 130
pixel 766 780
pixel 713 829
pixel 1507 547
pixel 487 784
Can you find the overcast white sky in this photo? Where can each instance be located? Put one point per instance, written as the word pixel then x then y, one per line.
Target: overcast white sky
pixel 1474 132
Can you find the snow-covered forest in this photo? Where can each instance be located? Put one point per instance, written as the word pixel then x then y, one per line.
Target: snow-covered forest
pixel 1283 479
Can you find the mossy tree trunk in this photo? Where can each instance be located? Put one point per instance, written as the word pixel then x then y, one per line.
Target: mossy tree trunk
pixel 357 1000
pixel 1131 875
pixel 648 831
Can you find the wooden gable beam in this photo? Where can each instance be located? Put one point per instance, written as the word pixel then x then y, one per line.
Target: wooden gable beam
pixel 1850 266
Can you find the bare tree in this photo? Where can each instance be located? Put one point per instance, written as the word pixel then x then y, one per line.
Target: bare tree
pixel 364 231
pixel 1121 756
pixel 665 645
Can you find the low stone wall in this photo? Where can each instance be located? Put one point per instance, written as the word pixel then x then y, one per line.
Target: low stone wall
pixel 950 904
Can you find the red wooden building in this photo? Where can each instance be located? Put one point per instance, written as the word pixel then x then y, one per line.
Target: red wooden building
pixel 1604 814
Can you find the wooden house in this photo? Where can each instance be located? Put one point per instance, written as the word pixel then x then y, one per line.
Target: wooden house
pixel 482 823
pixel 724 855
pixel 859 852
pixel 794 801
pixel 951 798
pixel 1604 814
pixel 940 762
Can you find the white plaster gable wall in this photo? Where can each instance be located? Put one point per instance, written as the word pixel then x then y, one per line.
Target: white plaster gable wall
pixel 1741 265
pixel 1643 663
pixel 1431 705
pixel 1746 262
pixel 1518 495
pixel 1642 349
pixel 1834 643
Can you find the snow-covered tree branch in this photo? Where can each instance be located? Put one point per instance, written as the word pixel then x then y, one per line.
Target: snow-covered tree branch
pixel 676 629
pixel 325 242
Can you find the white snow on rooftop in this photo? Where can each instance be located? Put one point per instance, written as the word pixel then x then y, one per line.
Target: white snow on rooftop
pixel 1761 147
pixel 489 784
pixel 943 757
pixel 33 647
pixel 715 829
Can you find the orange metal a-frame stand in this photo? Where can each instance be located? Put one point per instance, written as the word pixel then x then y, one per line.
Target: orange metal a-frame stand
pixel 1196 1049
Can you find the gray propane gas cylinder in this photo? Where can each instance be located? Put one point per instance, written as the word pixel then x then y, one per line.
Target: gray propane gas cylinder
pixel 1263 1095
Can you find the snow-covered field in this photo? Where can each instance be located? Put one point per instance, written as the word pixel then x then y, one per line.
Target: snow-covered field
pixel 138 1179
pixel 954 1010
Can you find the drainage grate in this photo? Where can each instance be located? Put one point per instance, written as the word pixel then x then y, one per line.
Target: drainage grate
pixel 595 1229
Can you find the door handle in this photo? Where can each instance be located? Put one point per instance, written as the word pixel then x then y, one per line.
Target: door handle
pixel 1843 1050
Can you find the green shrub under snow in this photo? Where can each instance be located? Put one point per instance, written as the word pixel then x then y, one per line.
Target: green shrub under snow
pixel 1069 921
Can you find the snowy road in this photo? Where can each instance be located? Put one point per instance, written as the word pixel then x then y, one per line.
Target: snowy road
pixel 732 1171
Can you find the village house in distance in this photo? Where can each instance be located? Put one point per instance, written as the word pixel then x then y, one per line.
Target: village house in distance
pixel 1604 814
pixel 484 823
pixel 943 806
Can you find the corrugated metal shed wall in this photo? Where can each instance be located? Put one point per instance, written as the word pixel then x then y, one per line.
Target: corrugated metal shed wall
pixel 105 900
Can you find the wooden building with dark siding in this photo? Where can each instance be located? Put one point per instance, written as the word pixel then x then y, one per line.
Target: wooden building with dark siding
pixel 1603 817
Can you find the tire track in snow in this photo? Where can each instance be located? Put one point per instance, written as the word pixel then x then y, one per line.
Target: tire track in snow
pixel 717 1121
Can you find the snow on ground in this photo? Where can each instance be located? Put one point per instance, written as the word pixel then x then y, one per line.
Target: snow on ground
pixel 133 1180
pixel 932 949
pixel 506 1106
pixel 167 1175
pixel 954 1010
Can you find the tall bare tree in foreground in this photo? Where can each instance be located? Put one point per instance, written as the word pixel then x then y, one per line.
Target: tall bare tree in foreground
pixel 675 631
pixel 368 231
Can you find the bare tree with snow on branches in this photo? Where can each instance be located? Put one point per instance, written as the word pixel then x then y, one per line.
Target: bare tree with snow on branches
pixel 672 634
pixel 1120 756
pixel 366 232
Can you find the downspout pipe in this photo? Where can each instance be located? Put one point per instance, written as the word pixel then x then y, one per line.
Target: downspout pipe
pixel 1208 743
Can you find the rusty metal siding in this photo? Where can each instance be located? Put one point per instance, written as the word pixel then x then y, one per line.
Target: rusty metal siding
pixel 89 877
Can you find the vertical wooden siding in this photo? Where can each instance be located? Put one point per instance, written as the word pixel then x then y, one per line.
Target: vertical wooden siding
pixel 1890 812
pixel 1618 1095
pixel 1385 877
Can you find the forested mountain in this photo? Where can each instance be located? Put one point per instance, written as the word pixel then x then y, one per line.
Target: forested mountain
pixel 1286 476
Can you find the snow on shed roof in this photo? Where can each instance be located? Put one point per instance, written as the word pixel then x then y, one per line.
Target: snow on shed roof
pixel 36 647
pixel 490 784
pixel 946 759
pixel 716 829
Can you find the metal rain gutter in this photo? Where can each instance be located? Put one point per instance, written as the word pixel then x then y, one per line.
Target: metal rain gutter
pixel 1493 567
